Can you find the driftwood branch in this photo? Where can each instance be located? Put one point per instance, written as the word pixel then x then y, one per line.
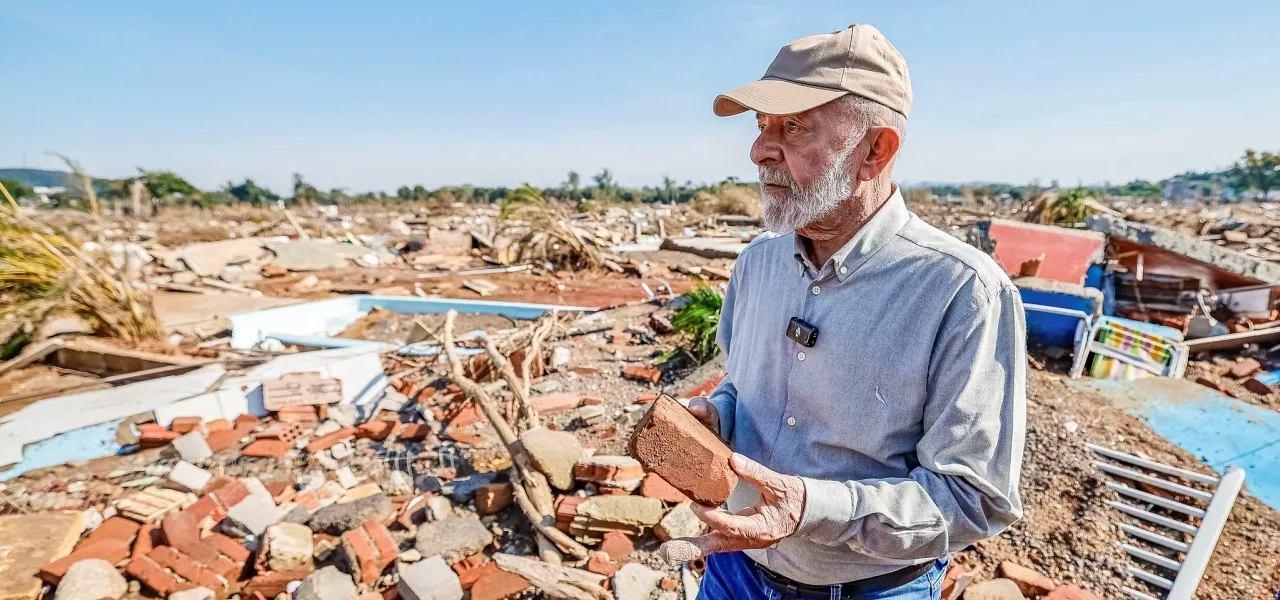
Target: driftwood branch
pixel 535 350
pixel 531 487
pixel 554 580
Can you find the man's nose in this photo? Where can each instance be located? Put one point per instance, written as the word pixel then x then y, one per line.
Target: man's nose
pixel 765 152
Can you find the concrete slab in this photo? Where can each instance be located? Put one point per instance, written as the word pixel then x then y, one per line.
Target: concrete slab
pixel 28 542
pixel 314 255
pixel 1217 429
pixel 1168 252
pixel 176 309
pixel 210 258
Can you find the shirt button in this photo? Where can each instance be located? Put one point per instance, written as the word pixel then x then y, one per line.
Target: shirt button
pixel 791 421
pixel 816 290
pixel 800 356
pixel 844 269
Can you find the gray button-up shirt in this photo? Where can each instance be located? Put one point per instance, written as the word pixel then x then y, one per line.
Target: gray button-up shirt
pixel 905 420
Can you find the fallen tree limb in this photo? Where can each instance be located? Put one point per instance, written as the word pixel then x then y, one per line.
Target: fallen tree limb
pixel 526 480
pixel 555 580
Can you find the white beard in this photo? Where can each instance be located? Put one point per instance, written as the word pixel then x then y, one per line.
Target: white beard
pixel 802 206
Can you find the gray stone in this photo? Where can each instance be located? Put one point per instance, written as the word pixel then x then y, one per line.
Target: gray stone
pixel 632 511
pixel 347 478
pixel 410 556
pixel 680 522
pixel 545 386
pixel 326 584
pixel 196 593
pixel 255 513
pixel 340 518
pixel 393 401
pixel 461 490
pixel 341 450
pixel 345 414
pixel 327 427
pixel 993 589
pixel 189 476
pixel 298 514
pixel 430 579
pixel 192 447
pixel 289 547
pixel 553 453
pixel 635 581
pixel 439 508
pixel 399 484
pixel 91 579
pixel 453 539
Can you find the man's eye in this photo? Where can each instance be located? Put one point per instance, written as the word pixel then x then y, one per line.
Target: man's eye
pixel 760 125
pixel 792 127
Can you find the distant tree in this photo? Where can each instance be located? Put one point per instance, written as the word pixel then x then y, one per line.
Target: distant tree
pixel 573 185
pixel 420 193
pixel 404 193
pixel 1256 171
pixel 16 189
pixel 252 193
pixel 303 192
pixel 669 189
pixel 606 187
pixel 163 185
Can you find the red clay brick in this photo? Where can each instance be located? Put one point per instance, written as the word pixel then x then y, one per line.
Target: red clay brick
pixel 1032 583
pixel 470 569
pixel 157 439
pixel 188 569
pixel 206 506
pixel 267 449
pixel 654 486
pixel 378 429
pixel 152 575
pixel 642 373
pixel 287 432
pixel 231 494
pixel 415 432
pixel 617 545
pixel 493 583
pixel 181 529
pixel 592 401
pixel 228 547
pixel 602 564
pixel 246 422
pixel 272 584
pixel 382 541
pixel 325 442
pixel 585 370
pixel 217 425
pixel 705 388
pixel 282 492
pixel 110 550
pixel 361 555
pixel 604 471
pixel 297 414
pixel 552 403
pixel 148 537
pixel 115 528
pixel 184 425
pixel 221 440
pixel 674 444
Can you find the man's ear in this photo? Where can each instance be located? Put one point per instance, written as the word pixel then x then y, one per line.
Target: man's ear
pixel 885 143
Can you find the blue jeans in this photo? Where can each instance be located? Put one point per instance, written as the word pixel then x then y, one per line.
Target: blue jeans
pixel 732 576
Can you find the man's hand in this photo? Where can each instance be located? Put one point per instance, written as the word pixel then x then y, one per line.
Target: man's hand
pixel 706 413
pixel 774 518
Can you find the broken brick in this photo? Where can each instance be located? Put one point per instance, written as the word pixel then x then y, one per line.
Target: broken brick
pixel 642 373
pixel 282 492
pixel 156 439
pixel 585 370
pixel 675 445
pixel 184 425
pixel 228 547
pixel 378 429
pixel 246 422
pixel 1253 385
pixel 552 403
pixel 110 550
pixel 272 584
pixel 325 442
pixel 181 529
pixel 669 584
pixel 493 583
pixel 705 388
pixel 369 549
pixel 148 536
pixel 617 545
pixel 297 414
pixel 603 564
pixel 186 568
pixel 1245 367
pixel 1032 583
pixel 221 440
pixel 114 528
pixel 1070 592
pixel 493 498
pixel 152 575
pixel 267 449
pixel 470 569
pixel 217 425
pixel 415 432
pixel 592 401
pixel 645 399
pixel 654 486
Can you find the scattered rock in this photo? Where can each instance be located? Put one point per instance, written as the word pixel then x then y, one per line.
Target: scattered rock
pixel 1070 592
pixel 672 443
pixel 635 581
pixel 289 547
pixel 993 589
pixel 680 522
pixel 340 518
pixel 91 579
pixel 196 593
pixel 1032 583
pixel 494 498
pixel 326 584
pixel 554 453
pixel 429 579
pixel 453 539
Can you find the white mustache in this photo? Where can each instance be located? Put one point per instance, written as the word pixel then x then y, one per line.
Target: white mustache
pixel 776 176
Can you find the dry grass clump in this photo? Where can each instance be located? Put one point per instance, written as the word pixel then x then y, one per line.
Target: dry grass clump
pixel 729 199
pixel 542 232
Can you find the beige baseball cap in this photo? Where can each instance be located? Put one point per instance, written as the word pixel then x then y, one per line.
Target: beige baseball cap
pixel 815 70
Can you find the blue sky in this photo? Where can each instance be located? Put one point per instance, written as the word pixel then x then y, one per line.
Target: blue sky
pixel 373 95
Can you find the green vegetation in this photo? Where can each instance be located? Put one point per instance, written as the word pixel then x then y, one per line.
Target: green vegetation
pixel 698 320
pixel 1256 171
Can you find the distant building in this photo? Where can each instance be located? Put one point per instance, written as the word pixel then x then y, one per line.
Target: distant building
pixel 42 192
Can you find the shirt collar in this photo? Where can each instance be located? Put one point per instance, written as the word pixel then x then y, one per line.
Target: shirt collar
pixel 885 224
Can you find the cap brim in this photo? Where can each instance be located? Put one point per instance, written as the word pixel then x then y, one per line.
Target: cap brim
pixel 773 97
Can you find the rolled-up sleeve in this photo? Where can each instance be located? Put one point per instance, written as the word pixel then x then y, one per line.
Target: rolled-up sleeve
pixel 965 488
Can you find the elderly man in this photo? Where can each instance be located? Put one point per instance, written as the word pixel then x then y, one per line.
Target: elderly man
pixel 875 396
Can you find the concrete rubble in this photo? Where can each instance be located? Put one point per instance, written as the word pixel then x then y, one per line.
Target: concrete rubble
pixel 331 451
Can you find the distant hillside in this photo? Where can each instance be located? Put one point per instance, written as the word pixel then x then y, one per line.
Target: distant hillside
pixel 35 177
